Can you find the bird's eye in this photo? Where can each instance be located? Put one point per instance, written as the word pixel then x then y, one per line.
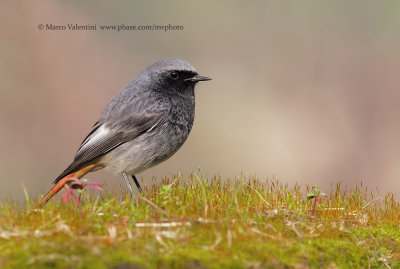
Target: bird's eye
pixel 174 75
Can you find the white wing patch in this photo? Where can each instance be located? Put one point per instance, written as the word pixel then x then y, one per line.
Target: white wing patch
pixel 96 136
pixel 152 127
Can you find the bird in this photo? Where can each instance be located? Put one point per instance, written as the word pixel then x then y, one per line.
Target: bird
pixel 143 125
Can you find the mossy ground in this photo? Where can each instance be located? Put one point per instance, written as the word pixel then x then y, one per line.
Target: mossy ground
pixel 197 223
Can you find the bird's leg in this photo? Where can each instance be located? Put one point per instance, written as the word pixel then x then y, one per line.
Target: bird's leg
pixel 127 182
pixel 137 183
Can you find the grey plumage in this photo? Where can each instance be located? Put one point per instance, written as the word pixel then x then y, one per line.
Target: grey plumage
pixel 145 123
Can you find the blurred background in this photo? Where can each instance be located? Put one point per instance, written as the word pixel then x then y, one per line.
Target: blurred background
pixel 304 92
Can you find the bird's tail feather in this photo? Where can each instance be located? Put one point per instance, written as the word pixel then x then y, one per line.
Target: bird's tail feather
pixel 57 187
pixel 67 179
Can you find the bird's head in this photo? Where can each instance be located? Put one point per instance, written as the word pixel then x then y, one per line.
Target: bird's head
pixel 174 76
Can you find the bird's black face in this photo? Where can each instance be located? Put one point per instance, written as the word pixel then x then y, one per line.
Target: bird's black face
pixel 180 81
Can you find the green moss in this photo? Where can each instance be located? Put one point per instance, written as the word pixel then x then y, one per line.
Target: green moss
pixel 213 224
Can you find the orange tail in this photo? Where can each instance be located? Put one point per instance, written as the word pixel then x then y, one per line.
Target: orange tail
pixel 67 179
pixel 60 184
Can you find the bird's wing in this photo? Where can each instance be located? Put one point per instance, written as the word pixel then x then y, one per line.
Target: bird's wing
pixel 105 137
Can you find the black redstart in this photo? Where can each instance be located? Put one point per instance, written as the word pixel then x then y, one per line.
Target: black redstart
pixel 143 125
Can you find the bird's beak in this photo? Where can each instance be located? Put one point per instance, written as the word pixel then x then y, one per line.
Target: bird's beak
pixel 197 78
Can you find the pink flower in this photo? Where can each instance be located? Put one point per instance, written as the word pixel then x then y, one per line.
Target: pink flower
pixel 77 184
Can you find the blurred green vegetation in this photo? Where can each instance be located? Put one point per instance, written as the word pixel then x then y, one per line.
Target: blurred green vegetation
pixel 306 91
